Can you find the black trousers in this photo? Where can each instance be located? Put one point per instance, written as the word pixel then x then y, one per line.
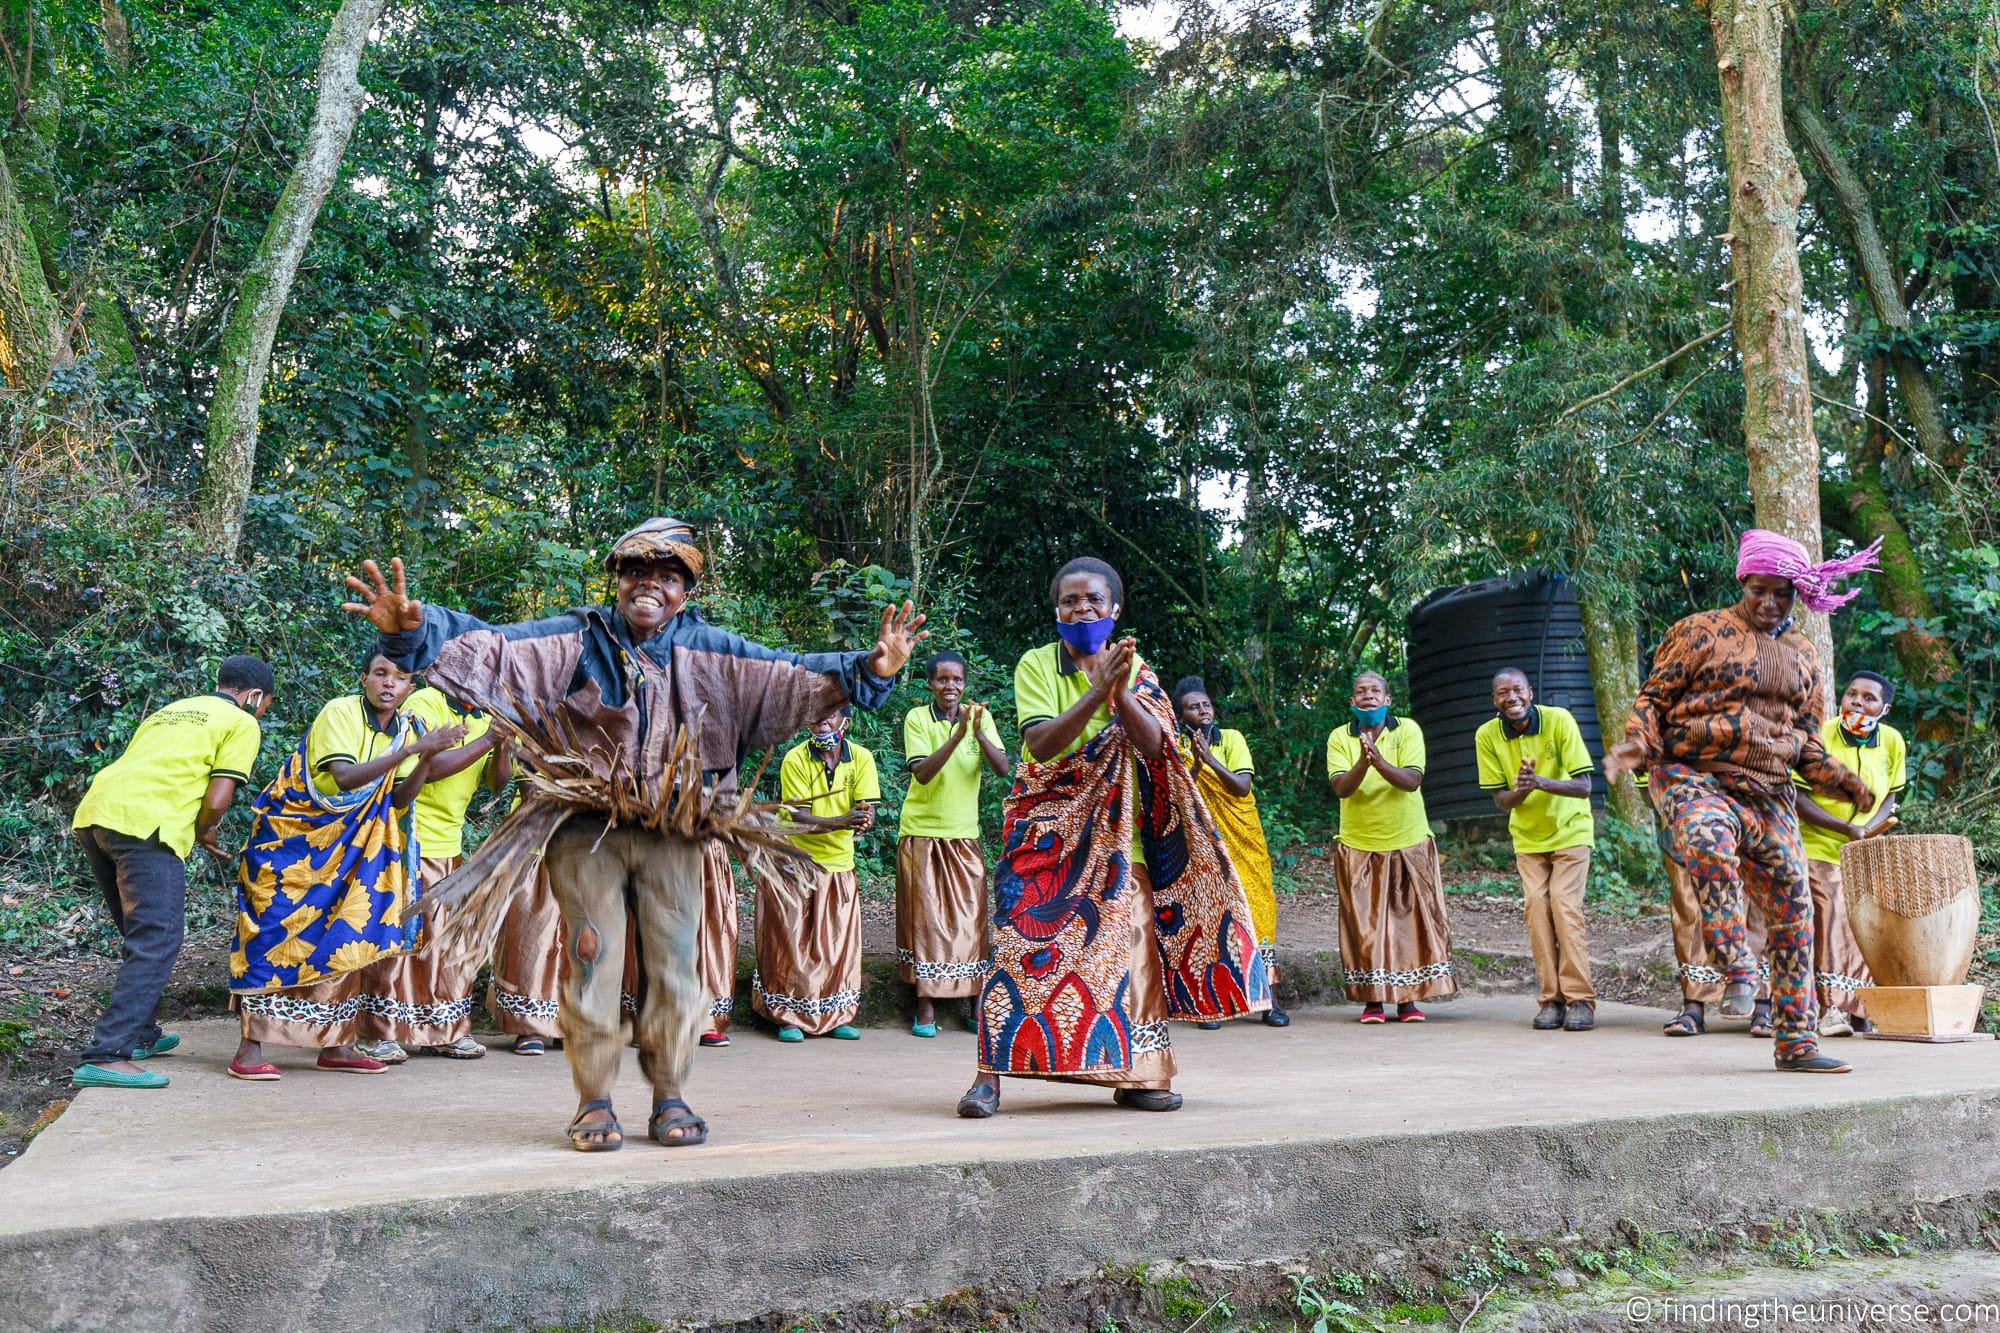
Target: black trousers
pixel 145 890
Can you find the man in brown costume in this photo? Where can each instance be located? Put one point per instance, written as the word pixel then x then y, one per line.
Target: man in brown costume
pixel 623 685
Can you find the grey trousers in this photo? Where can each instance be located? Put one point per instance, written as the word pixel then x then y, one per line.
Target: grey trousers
pixel 601 881
pixel 144 886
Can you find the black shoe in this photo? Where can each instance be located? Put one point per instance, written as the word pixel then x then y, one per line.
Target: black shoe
pixel 1147 1099
pixel 1550 1018
pixel 1814 1063
pixel 1209 1025
pixel 980 1101
pixel 1274 1017
pixel 1582 1017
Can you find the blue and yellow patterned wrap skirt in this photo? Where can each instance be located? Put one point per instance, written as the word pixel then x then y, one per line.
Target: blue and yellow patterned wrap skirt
pixel 322 887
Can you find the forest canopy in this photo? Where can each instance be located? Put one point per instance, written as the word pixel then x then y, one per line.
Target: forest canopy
pixel 1293 311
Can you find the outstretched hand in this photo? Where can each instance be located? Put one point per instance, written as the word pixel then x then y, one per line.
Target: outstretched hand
pixel 385 603
pixel 902 630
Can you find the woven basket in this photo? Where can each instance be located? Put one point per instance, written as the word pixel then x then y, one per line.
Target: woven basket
pixel 1910 874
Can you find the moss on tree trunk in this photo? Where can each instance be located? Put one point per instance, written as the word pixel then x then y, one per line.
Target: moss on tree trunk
pixel 229 451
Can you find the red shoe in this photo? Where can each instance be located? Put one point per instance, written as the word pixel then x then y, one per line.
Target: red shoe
pixel 1409 1013
pixel 264 1073
pixel 1372 1013
pixel 360 1064
pixel 714 1039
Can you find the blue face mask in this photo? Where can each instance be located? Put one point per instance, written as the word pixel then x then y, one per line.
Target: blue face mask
pixel 1086 636
pixel 1370 717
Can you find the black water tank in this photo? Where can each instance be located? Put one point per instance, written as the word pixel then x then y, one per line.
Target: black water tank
pixel 1458 638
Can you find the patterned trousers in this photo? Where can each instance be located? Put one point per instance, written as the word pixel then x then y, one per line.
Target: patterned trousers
pixel 1734 839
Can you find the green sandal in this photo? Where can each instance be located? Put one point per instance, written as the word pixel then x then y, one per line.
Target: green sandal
pixel 97 1076
pixel 160 1045
pixel 790 1034
pixel 846 1032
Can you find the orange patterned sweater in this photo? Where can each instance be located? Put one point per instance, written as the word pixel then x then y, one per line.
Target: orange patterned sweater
pixel 1725 698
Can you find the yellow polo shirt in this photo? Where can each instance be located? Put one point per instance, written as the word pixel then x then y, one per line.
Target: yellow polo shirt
pixel 1230 750
pixel 1882 766
pixel 345 729
pixel 802 777
pixel 1380 817
pixel 155 787
pixel 1544 822
pixel 1047 682
pixel 439 809
pixel 948 805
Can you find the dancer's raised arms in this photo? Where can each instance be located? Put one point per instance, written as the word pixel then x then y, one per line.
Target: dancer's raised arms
pixel 387 605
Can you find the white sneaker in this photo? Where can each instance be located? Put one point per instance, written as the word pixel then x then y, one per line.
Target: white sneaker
pixel 386 1050
pixel 1835 1023
pixel 465 1048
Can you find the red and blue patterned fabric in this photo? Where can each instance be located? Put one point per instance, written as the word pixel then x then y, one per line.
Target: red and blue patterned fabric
pixel 1057 998
pixel 1733 837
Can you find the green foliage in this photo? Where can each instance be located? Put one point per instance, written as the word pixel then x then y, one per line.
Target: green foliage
pixel 913 298
pixel 1329 1314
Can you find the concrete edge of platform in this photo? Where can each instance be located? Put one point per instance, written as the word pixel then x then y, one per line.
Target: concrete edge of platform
pixel 737 1247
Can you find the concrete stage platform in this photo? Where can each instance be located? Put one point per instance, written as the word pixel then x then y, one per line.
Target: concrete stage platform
pixel 442 1195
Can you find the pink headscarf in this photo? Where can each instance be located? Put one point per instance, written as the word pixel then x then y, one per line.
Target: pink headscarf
pixel 1762 552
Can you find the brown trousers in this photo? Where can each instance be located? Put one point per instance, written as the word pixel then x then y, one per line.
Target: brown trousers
pixel 595 873
pixel 1700 970
pixel 1552 896
pixel 418 999
pixel 528 965
pixel 809 952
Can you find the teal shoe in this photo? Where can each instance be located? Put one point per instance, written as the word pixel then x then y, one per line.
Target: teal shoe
pixel 97 1076
pixel 160 1045
pixel 922 1030
pixel 790 1034
pixel 848 1032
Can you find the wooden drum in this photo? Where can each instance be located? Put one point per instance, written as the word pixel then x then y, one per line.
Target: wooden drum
pixel 1913 900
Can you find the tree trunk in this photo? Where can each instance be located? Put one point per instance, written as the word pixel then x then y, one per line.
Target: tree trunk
pixel 117 34
pixel 1861 509
pixel 31 326
pixel 229 451
pixel 1765 190
pixel 1611 642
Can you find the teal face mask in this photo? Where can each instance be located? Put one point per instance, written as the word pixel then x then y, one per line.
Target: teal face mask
pixel 1370 717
